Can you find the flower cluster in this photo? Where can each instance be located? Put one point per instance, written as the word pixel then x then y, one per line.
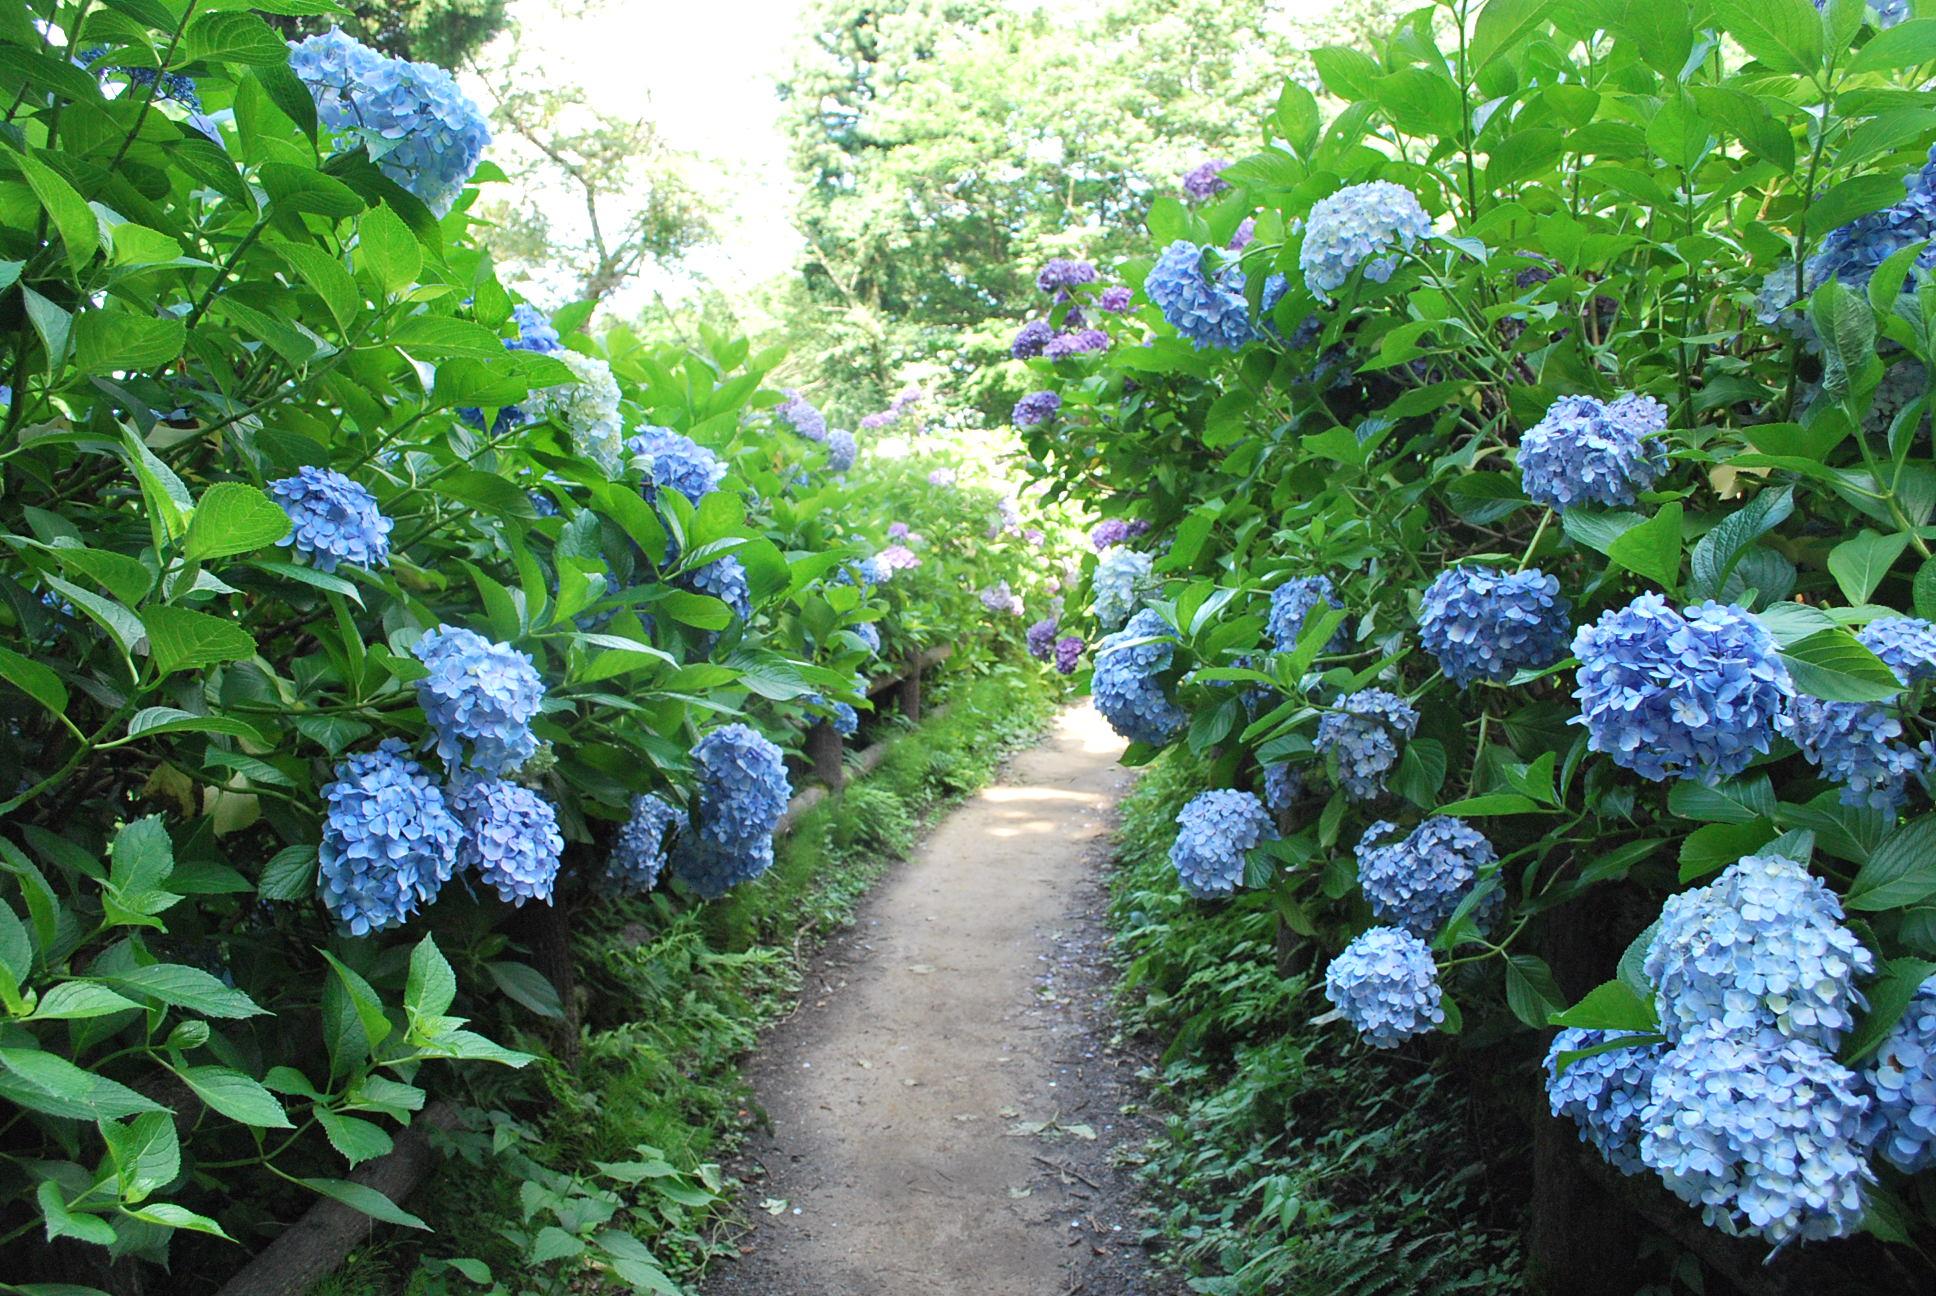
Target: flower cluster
pixel 802 416
pixel 1360 225
pixel 1121 581
pixel 1116 298
pixel 1114 531
pixel 1068 652
pixel 511 837
pixel 1209 314
pixel 167 85
pixel 535 331
pixel 1760 949
pixel 1075 342
pixel 869 634
pixel 588 408
pixel 743 793
pixel 1766 1135
pixel 478 696
pixel 639 849
pixel 1385 985
pixel 1215 834
pixel 1283 785
pixel 1851 253
pixel 1062 274
pixel 1291 602
pixel 842 450
pixel 1417 882
pixel 1125 685
pixel 1363 733
pixel 725 579
pixel 1035 409
pixel 389 840
pixel 1862 745
pixel 1204 179
pixel 1902 1080
pixel 1041 638
pixel 332 520
pixel 674 461
pixel 1001 599
pixel 896 410
pixel 1031 339
pixel 417 125
pixel 1605 1093
pixel 892 559
pixel 1587 451
pixel 1482 623
pixel 1667 695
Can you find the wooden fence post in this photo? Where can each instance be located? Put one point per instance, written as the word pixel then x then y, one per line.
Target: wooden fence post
pixel 826 751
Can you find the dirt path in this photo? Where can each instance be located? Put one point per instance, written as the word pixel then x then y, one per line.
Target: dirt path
pixel 945 1104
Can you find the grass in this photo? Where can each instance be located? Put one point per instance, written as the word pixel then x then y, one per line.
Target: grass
pixel 1293 1161
pixel 675 997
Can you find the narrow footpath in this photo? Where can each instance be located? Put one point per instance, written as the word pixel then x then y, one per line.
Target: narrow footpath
pixel 945 1105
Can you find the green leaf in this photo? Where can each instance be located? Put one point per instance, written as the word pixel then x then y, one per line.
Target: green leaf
pixel 1491 803
pixel 238 1096
pixel 184 987
pixel 1784 35
pixel 358 1140
pixel 366 1199
pixel 1531 991
pixel 1712 847
pixel 1720 550
pixel 183 640
pixel 1833 665
pixel 1737 801
pixel 1889 997
pixel 327 278
pixel 233 518
pixel 234 38
pixel 73 219
pixel 141 859
pixel 1502 26
pixel 390 253
pixel 1846 329
pixel 51 1084
pixel 114 341
pixel 1899 872
pixel 146 1153
pixel 35 680
pixel 169 1215
pixel 63 1222
pixel 431 986
pixel 79 1000
pixel 1610 1006
pixel 154 721
pixel 167 498
pixel 1908 44
pixel 289 875
pixel 1860 563
pixel 528 986
pixel 1653 548
pixel 364 1000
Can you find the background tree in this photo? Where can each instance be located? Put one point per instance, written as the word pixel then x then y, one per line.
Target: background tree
pixel 438 31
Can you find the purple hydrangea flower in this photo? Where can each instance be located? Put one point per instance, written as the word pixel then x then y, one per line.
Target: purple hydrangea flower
pixel 802 416
pixel 1363 734
pixel 332 520
pixel 1062 274
pixel 1031 339
pixel 1041 639
pixel 1385 985
pixel 511 837
pixel 1068 652
pixel 1585 451
pixel 1863 745
pixel 1204 179
pixel 1116 298
pixel 999 598
pixel 479 698
pixel 1114 531
pixel 535 332
pixel 1355 227
pixel 1603 1094
pixel 639 849
pixel 842 450
pixel 1244 234
pixel 389 840
pixel 1482 623
pixel 1126 687
pixel 1082 342
pixel 1035 409
pixel 870 634
pixel 1216 833
pixel 1283 785
pixel 1672 696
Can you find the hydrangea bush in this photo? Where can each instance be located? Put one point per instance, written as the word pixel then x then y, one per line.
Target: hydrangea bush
pixel 1614 456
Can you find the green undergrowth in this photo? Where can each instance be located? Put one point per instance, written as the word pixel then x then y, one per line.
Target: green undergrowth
pixel 552 1174
pixel 1292 1161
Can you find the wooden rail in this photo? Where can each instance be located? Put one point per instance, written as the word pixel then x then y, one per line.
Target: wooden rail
pixel 316 1245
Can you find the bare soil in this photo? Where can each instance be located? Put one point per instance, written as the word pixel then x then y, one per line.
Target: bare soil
pixel 944 1112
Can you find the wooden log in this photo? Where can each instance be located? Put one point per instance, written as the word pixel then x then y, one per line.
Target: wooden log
pixel 311 1248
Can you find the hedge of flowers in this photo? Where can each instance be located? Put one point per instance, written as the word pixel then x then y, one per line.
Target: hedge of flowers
pixel 353 611
pixel 1518 479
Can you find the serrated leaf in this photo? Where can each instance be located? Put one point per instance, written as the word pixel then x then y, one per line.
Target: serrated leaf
pixel 1835 666
pixel 238 1096
pixel 1900 871
pixel 180 639
pixel 233 518
pixel 358 1140
pixel 1611 1005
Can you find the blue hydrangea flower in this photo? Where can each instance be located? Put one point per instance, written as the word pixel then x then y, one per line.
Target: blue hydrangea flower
pixel 167 85
pixel 1585 451
pixel 1291 602
pixel 1215 834
pixel 389 840
pixel 743 792
pixel 332 520
pixel 1363 734
pixel 1121 581
pixel 1062 274
pixel 1035 409
pixel 1902 1080
pixel 842 450
pixel 1482 623
pixel 725 579
pixel 1209 314
pixel 1852 252
pixel 870 634
pixel 1356 226
pixel 1283 785
pixel 639 849
pixel 478 696
pixel 676 462
pixel 1385 985
pixel 1863 745
pixel 419 128
pixel 803 416
pixel 1672 696
pixel 1761 948
pixel 1125 687
pixel 1041 638
pixel 535 332
pixel 1603 1094
pixel 1030 339
pixel 511 837
pixel 588 408
pixel 1764 1134
pixel 1417 881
